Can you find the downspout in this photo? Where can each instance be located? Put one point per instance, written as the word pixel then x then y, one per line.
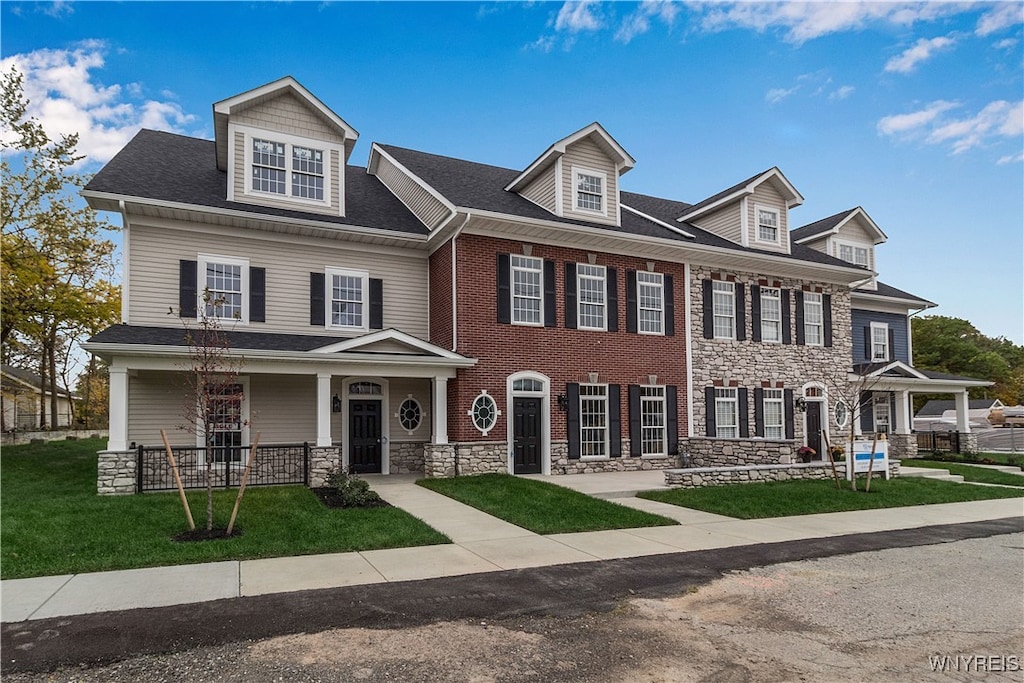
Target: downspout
pixel 455 307
pixel 124 255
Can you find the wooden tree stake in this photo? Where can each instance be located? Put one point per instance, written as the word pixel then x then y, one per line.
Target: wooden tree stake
pixel 871 463
pixel 241 487
pixel 831 460
pixel 177 480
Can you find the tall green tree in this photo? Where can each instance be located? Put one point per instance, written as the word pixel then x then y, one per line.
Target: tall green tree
pixel 57 262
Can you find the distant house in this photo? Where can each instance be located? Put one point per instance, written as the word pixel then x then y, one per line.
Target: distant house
pixel 940 414
pixel 21 392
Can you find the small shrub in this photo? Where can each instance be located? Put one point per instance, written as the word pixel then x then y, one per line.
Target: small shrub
pixel 350 490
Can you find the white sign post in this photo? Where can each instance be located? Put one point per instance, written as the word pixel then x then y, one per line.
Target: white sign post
pixel 860 460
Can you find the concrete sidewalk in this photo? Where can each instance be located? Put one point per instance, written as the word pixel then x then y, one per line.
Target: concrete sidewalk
pixel 480 543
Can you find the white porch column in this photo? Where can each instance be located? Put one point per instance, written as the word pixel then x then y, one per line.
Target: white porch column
pixel 118 438
pixel 440 417
pixel 323 409
pixel 902 412
pixel 963 423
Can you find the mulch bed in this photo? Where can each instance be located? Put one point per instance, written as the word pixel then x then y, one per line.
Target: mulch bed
pixel 204 535
pixel 332 499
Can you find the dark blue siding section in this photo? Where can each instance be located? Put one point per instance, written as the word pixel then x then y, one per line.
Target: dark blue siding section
pixel 897 323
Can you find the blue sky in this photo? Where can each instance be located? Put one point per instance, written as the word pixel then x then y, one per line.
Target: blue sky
pixel 912 110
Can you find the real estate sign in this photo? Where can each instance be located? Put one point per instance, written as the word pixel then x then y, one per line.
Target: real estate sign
pixel 863 457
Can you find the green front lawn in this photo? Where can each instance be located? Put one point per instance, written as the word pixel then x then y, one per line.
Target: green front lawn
pixel 1015 459
pixel 785 498
pixel 52 521
pixel 970 472
pixel 539 506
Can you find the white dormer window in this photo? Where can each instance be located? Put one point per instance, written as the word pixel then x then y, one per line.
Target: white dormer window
pixel 767 225
pixel 286 167
pixel 854 254
pixel 589 189
pixel 308 172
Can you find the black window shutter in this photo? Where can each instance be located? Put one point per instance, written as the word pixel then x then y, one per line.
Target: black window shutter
pixel 741 407
pixel 672 419
pixel 709 311
pixel 800 334
pixel 504 275
pixel 868 355
pixel 570 296
pixel 826 317
pixel 614 421
pixel 709 411
pixel 867 413
pixel 549 294
pixel 317 301
pixel 572 419
pixel 787 336
pixel 892 344
pixel 188 283
pixel 257 295
pixel 631 310
pixel 635 446
pixel 741 313
pixel 670 307
pixel 612 283
pixel 755 312
pixel 376 304
pixel 787 406
pixel 758 411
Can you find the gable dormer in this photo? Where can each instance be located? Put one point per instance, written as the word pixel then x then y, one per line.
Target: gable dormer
pixel 578 176
pixel 282 147
pixel 753 213
pixel 849 235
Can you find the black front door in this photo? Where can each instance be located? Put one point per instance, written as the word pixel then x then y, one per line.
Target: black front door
pixel 814 427
pixel 526 437
pixel 364 432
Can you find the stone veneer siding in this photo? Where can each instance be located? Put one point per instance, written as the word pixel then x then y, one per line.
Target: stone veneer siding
pixel 116 473
pixel 698 477
pixel 322 459
pixel 714 452
pixel 406 457
pixel 902 446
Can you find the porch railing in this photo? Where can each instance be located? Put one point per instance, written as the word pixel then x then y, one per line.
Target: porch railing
pixel 273 465
pixel 938 442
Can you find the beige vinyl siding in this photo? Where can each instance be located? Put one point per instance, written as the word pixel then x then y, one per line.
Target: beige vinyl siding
pixel 238 182
pixel 542 190
pixel 766 196
pixel 156 252
pixel 287 114
pixel 586 154
pixel 428 208
pixel 282 408
pixel 724 223
pixel 401 389
pixel 855 231
pixel 156 400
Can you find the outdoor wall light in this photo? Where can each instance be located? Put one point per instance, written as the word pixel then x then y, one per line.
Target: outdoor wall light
pixel 801 404
pixel 563 403
pixel 335 404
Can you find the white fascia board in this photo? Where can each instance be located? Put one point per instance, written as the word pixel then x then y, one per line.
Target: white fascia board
pixel 624 163
pixel 282 84
pixel 796 199
pixel 923 386
pixel 909 303
pixel 895 365
pixel 389 334
pixel 663 224
pixel 247 215
pixel 880 236
pixel 376 149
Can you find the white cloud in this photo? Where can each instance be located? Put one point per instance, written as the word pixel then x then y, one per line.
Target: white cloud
pixel 1011 159
pixel 56 8
pixel 1006 44
pixel 921 51
pixel 578 15
pixel 639 22
pixel 776 95
pixel 1003 16
pixel 66 98
pixel 841 93
pixel 997 121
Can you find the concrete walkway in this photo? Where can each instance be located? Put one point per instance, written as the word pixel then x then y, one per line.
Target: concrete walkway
pixel 480 543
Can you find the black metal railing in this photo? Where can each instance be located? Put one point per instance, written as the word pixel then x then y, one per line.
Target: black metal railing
pixel 274 464
pixel 938 442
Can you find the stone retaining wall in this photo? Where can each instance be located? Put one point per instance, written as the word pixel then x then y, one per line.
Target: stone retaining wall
pixel 697 477
pixel 16 437
pixel 714 452
pixel 116 473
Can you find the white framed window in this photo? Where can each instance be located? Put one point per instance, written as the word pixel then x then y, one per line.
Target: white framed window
pixel 227 407
pixel 410 414
pixel 851 253
pixel 307 172
pixel 347 298
pixel 723 299
pixel 767 225
pixel 591 292
pixel 484 412
pixel 771 314
pixel 881 412
pixel 650 302
pixel 223 287
pixel 527 290
pixel 652 421
pixel 528 385
pixel 879 341
pixel 842 414
pixel 268 166
pixel 813 319
pixel 773 414
pixel 589 190
pixel 593 420
pixel 285 166
pixel 727 423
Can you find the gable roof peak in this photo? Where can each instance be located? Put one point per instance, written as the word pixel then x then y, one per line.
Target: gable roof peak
pixel 742 189
pixel 832 225
pixel 595 131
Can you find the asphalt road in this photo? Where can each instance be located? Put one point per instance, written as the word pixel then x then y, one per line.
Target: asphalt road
pixel 854 608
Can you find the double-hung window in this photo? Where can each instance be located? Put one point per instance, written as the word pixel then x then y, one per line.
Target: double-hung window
pixel 223 287
pixel 723 295
pixel 650 301
pixel 813 319
pixel 771 314
pixel 854 254
pixel 347 293
pixel 773 415
pixel 879 341
pixel 652 420
pixel 307 172
pixel 591 292
pixel 593 420
pixel 767 225
pixel 268 166
pixel 589 189
pixel 880 409
pixel 287 167
pixel 726 413
pixel 527 290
